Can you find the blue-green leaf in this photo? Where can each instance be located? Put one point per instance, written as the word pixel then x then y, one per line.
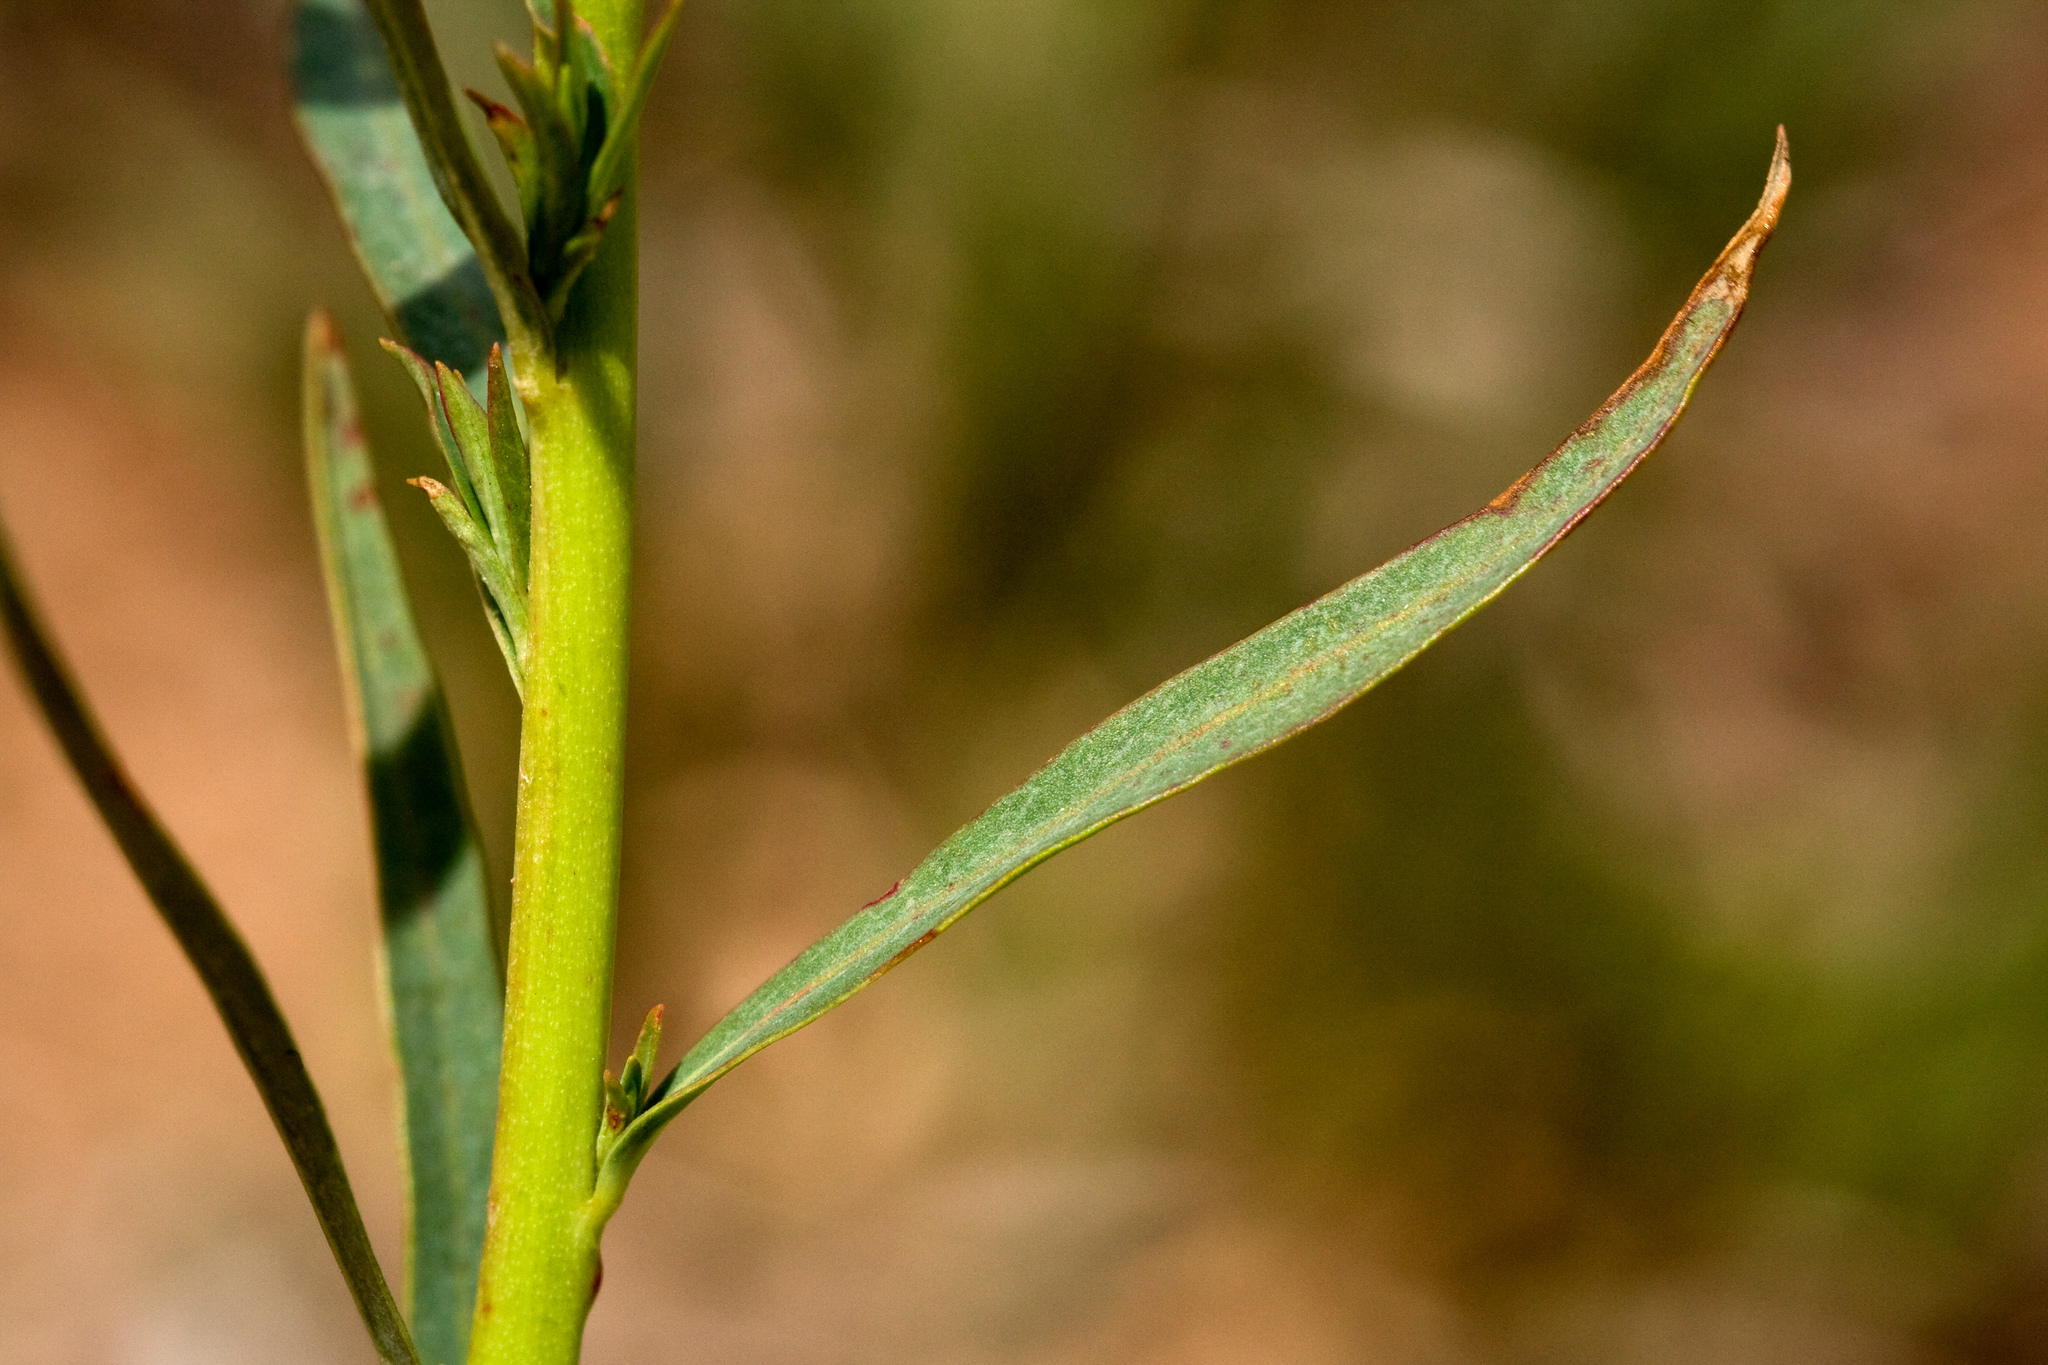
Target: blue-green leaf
pixel 1294 673
pixel 414 63
pixel 443 996
pixel 420 266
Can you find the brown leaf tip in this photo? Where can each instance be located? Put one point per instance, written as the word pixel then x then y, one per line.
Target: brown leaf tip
pixel 494 113
pixel 1730 274
pixel 1777 184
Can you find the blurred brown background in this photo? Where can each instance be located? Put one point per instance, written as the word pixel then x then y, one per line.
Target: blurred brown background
pixel 1657 971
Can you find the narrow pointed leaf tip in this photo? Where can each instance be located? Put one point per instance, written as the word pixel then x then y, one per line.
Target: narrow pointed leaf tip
pixel 1294 673
pixel 489 507
pixel 442 994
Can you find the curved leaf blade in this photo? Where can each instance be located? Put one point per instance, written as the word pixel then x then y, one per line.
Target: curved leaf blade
pixel 223 962
pixel 352 115
pixel 1294 673
pixel 415 63
pixel 443 996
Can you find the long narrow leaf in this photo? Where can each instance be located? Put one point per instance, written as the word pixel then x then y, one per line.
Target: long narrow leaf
pixel 443 997
pixel 421 267
pixel 415 64
pixel 217 954
pixel 445 1028
pixel 1292 674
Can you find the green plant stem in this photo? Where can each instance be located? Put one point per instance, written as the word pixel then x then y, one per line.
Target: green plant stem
pixel 540 1266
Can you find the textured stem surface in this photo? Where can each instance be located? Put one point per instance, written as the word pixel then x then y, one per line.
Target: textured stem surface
pixel 540 1255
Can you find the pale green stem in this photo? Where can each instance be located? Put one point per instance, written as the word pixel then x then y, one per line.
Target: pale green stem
pixel 540 1266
